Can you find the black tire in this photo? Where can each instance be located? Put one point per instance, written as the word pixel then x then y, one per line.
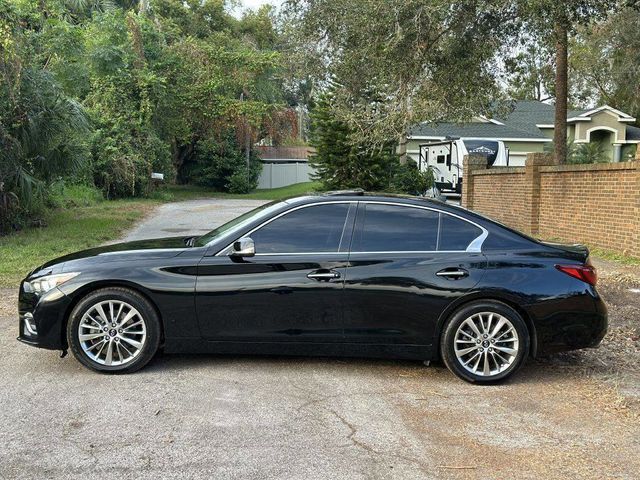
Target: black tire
pixel 448 342
pixel 147 313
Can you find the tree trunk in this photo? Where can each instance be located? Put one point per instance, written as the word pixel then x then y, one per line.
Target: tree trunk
pixel 247 145
pixel 560 123
pixel 402 148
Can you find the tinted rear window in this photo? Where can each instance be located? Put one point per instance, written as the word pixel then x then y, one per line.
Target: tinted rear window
pixel 391 228
pixel 456 234
pixel 396 228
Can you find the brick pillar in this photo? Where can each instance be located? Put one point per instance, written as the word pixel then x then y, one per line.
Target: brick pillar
pixel 532 182
pixel 469 164
pixel 635 236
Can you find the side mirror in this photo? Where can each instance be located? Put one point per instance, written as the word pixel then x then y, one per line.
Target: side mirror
pixel 243 248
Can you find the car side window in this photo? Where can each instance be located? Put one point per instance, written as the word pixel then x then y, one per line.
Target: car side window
pixel 455 233
pixel 317 228
pixel 394 228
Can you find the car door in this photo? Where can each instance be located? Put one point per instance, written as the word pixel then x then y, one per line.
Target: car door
pixel 291 290
pixel 407 264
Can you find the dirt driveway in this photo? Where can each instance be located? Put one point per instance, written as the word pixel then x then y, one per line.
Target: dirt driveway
pixel 568 416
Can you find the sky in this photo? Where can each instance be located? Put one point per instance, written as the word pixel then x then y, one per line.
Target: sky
pixel 253 4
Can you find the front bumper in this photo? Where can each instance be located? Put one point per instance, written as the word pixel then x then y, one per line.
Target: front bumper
pixel 42 319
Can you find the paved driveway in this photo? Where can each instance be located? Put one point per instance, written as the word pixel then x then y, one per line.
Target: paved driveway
pixel 194 217
pixel 246 417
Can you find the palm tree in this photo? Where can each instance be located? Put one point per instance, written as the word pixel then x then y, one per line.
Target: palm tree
pixel 42 138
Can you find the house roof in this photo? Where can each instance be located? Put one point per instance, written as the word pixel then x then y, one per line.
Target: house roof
pixel 528 114
pixel 474 129
pixel 523 122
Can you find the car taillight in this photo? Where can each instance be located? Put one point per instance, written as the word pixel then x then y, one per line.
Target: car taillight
pixel 586 273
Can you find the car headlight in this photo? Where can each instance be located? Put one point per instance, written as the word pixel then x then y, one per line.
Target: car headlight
pixel 44 284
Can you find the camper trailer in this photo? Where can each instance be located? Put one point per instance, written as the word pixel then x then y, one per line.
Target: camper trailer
pixel 445 158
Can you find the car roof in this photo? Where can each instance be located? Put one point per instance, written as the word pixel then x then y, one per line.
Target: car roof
pixel 362 196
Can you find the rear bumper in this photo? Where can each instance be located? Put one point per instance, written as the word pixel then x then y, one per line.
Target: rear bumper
pixel 41 319
pixel 572 330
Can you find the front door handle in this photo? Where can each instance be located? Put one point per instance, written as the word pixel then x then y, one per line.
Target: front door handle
pixel 324 275
pixel 453 273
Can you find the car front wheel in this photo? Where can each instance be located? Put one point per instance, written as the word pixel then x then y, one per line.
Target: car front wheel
pixel 485 342
pixel 114 330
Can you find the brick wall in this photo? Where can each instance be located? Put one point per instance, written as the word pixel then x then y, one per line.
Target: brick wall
pixel 594 204
pixel 501 193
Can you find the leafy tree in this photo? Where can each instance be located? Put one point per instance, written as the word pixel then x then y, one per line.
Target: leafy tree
pixel 531 72
pixel 338 160
pixel 544 19
pixel 220 164
pixel 604 62
pixel 341 162
pixel 41 129
pixel 425 60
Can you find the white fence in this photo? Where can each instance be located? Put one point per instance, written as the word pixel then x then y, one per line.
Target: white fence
pixel 275 175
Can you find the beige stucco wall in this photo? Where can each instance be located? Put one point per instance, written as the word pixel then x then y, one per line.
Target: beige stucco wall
pixel 548 132
pixel 599 120
pixel 518 151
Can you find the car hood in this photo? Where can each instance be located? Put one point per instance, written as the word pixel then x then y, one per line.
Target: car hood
pixel 140 249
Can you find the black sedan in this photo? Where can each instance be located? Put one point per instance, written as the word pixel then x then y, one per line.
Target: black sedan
pixel 340 274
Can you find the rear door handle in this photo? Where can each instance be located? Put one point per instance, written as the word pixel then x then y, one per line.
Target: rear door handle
pixel 453 273
pixel 325 275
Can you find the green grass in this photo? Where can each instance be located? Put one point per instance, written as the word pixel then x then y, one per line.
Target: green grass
pixel 614 256
pixel 83 221
pixel 66 231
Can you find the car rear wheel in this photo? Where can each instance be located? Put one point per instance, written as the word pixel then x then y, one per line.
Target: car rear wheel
pixel 485 342
pixel 114 330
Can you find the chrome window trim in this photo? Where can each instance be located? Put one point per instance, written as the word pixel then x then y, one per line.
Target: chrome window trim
pixel 474 247
pixel 224 252
pixel 412 252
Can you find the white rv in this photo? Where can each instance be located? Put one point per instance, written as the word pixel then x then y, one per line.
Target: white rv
pixel 445 158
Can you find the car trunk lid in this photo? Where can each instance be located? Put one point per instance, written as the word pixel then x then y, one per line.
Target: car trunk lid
pixel 576 251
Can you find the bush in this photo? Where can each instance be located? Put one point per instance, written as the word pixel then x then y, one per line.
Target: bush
pixel 123 163
pixel 221 165
pixel 244 179
pixel 69 195
pixel 587 153
pixel 410 180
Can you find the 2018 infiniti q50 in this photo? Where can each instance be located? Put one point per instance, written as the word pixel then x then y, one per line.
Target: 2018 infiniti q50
pixel 346 274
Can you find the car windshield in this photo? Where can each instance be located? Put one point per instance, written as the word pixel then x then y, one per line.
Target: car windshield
pixel 236 224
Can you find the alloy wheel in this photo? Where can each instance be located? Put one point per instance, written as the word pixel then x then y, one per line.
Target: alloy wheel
pixel 112 333
pixel 486 344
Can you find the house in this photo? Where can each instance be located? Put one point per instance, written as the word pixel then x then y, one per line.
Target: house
pixel 529 127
